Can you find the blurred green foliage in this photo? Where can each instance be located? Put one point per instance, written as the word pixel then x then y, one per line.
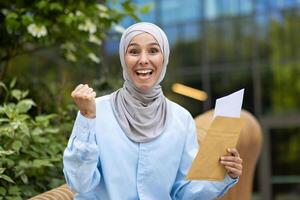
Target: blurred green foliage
pixel 50 46
pixel 30 147
pixel 285 53
pixel 77 27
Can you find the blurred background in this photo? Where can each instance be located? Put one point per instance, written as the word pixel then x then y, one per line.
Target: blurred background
pixel 217 46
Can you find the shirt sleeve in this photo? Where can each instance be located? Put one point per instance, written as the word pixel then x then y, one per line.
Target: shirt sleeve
pixel 190 190
pixel 81 157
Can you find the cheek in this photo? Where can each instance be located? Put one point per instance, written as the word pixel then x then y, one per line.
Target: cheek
pixel 129 61
pixel 159 64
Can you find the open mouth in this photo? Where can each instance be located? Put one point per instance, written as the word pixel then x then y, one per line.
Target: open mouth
pixel 144 72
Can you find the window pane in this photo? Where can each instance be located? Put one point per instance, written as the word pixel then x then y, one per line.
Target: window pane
pixel 180 11
pixel 246 7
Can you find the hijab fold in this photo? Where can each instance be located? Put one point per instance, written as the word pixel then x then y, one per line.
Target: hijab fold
pixel 141 115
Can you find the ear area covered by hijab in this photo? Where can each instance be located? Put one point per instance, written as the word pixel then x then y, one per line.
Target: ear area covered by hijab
pixel 142 116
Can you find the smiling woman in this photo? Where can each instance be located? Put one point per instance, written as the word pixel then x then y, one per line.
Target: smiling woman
pixel 144 60
pixel 136 135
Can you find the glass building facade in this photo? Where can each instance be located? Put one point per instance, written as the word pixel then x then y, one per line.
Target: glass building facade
pixel 220 46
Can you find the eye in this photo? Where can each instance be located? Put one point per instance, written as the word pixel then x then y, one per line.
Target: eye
pixel 154 50
pixel 133 51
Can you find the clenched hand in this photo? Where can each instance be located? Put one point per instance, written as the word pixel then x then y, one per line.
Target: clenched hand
pixel 84 97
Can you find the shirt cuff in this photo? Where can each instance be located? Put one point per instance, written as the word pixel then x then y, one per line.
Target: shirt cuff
pixel 85 127
pixel 230 180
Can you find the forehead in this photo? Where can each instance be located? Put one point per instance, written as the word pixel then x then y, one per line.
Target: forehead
pixel 143 39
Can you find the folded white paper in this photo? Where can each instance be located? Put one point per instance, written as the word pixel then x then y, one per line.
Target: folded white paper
pixel 230 105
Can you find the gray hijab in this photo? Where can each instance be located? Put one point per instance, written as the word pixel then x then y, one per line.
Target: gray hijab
pixel 141 115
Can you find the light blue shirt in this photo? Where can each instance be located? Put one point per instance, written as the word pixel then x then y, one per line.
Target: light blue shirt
pixel 101 162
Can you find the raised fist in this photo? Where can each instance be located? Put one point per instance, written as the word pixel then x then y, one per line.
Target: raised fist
pixel 84 97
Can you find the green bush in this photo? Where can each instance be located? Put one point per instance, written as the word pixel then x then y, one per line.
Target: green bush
pixel 30 147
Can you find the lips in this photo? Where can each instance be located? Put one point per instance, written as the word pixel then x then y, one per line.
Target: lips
pixel 144 72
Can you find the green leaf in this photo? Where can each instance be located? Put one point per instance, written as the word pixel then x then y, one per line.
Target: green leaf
pixel 41 163
pixel 43 140
pixel 15 125
pixel 3 85
pixel 24 105
pixel 3 119
pixel 2 110
pixel 13 82
pixel 12 15
pixel 44 119
pixel 56 6
pixel 6 130
pixel 17 145
pixel 2 170
pixel 42 4
pixel 10 163
pixel 19 173
pixel 2 191
pixel 17 94
pixel 127 6
pixel 24 128
pixel 9 110
pixel 14 190
pixel 7 178
pixel 147 8
pixel 25 93
pixel 24 178
pixel 25 164
pixel 52 130
pixel 3 152
pixel 22 117
pixel 26 20
pixel 37 131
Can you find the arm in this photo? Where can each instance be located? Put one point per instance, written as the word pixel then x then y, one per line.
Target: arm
pixel 189 190
pixel 81 156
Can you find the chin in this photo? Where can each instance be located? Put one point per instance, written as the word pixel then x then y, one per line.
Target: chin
pixel 145 88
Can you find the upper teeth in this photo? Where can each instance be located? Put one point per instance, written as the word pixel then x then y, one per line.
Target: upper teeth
pixel 143 71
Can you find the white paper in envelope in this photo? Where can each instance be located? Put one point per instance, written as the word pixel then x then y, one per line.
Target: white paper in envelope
pixel 222 134
pixel 230 105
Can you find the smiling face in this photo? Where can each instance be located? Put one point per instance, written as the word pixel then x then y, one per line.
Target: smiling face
pixel 144 61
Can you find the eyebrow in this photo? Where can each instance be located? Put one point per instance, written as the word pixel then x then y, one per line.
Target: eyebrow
pixel 136 44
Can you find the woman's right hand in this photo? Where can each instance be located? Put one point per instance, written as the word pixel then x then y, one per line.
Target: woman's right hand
pixel 84 97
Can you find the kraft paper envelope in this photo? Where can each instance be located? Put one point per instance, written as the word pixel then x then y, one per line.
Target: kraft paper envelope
pixel 222 134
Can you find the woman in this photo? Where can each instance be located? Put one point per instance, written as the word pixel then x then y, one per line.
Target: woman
pixel 135 143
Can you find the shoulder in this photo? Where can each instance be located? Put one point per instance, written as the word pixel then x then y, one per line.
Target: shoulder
pixel 178 111
pixel 103 99
pixel 103 102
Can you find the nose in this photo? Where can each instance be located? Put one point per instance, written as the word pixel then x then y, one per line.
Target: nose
pixel 143 59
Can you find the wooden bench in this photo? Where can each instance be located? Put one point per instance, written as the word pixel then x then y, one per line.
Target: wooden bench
pixel 61 193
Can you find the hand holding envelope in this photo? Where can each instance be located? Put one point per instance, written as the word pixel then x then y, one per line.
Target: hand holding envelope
pixel 222 134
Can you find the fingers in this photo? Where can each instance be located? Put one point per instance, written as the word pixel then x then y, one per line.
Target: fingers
pixel 83 92
pixel 75 91
pixel 232 159
pixel 232 163
pixel 233 172
pixel 93 94
pixel 86 93
pixel 234 152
